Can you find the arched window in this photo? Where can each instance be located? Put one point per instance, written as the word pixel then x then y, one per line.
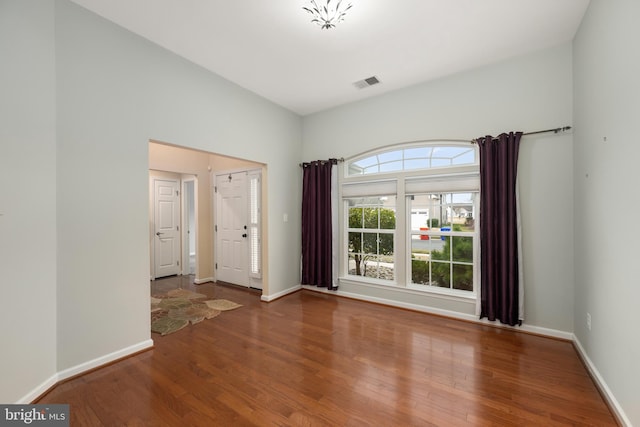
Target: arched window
pixel 409 217
pixel 413 158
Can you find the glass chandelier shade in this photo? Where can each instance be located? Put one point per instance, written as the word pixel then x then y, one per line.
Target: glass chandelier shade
pixel 329 14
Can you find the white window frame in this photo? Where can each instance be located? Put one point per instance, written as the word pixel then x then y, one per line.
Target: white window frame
pixel 475 235
pixel 446 179
pixel 378 231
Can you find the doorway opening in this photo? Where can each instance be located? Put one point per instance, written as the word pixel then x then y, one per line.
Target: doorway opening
pixel 197 251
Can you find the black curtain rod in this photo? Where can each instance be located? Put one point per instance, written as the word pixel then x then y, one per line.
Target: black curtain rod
pixel 555 130
pixel 340 160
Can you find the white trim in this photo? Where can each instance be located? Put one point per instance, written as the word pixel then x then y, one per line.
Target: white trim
pixel 155 176
pixel 257 176
pixel 103 360
pixel 205 280
pixel 613 403
pixel 184 211
pixel 268 298
pixel 214 195
pixel 538 330
pixel 83 367
pixel 407 145
pixel 39 390
pixel 422 290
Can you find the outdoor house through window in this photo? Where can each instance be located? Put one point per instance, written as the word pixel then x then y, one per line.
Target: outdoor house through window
pixel 409 217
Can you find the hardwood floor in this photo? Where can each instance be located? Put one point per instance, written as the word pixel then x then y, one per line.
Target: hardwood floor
pixel 310 359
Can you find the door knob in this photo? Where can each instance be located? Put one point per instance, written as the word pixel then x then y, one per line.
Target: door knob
pixel 244 235
pixel 159 233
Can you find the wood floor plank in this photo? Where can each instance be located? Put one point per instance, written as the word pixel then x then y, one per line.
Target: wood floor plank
pixel 311 359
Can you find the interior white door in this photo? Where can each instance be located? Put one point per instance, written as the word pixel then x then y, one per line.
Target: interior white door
pixel 166 217
pixel 232 256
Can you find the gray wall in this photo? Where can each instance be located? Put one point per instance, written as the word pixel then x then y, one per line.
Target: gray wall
pixel 81 98
pixel 115 92
pixel 528 93
pixel 27 197
pixel 607 105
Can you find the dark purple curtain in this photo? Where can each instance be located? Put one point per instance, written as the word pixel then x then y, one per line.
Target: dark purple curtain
pixel 316 224
pixel 498 228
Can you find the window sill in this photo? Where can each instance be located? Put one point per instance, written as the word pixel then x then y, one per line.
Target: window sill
pixel 461 296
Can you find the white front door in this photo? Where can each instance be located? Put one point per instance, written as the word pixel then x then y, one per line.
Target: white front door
pixel 166 217
pixel 231 229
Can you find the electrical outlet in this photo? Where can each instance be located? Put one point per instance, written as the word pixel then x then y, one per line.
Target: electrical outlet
pixel 589 321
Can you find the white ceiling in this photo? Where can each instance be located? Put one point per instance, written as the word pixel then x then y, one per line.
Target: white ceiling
pixel 271 48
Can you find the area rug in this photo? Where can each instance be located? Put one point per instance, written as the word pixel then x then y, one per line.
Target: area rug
pixel 178 308
pixel 222 304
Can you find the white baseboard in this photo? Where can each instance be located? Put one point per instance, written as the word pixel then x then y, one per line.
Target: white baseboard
pixel 83 367
pixel 103 360
pixel 602 385
pixel 201 281
pixel 452 314
pixel 280 294
pixel 39 390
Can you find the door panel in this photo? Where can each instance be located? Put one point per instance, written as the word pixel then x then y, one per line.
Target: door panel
pixel 166 231
pixel 231 236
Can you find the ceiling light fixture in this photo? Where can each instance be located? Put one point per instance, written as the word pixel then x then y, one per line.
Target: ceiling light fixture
pixel 327 16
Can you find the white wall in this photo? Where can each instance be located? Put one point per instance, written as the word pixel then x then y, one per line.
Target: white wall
pixel 27 197
pixel 529 93
pixel 607 105
pixel 116 91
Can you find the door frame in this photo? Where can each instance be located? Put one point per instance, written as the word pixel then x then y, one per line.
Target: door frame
pixel 185 238
pixel 155 175
pixel 254 281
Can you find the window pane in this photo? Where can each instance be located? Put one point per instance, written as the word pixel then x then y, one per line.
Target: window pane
pixel 415 164
pixel 388 218
pixel 417 153
pixel 355 265
pixel 355 217
pixel 391 166
pixel 371 217
pixel 437 162
pixel 355 242
pixel 468 157
pixel 390 156
pixel 370 243
pixel 440 274
pixel 463 277
pixel 462 249
pixel 379 268
pixel 371 169
pixel 442 210
pixel 450 152
pixel 420 272
pixel 364 163
pixel 386 244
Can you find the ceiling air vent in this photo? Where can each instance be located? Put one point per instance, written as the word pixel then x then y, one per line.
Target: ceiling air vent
pixel 369 81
